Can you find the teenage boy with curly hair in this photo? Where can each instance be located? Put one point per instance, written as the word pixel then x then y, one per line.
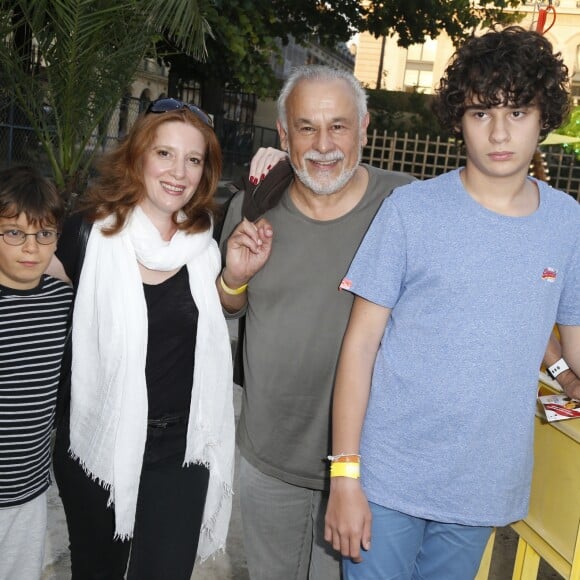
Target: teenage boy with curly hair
pixel 457 284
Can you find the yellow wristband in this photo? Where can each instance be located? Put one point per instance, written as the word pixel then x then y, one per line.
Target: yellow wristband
pixel 232 291
pixel 345 469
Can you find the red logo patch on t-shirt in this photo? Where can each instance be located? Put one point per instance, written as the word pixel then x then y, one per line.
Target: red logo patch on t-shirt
pixel 549 274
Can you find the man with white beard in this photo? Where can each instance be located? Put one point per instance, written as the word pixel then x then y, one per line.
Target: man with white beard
pixel 296 317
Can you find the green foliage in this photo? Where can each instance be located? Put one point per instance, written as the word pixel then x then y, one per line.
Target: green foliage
pixel 402 112
pixel 413 20
pixel 239 50
pixel 572 129
pixel 90 51
pixel 87 52
pixel 245 31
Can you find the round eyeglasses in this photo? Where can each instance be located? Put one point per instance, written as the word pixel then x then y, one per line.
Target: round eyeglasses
pixel 18 237
pixel 165 105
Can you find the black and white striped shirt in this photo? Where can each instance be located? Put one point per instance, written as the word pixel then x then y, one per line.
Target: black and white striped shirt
pixel 33 328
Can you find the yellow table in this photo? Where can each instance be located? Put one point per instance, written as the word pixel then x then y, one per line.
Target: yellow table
pixel 551 530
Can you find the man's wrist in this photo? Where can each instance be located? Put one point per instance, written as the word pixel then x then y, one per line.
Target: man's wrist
pixel 570 383
pixel 557 368
pixel 237 286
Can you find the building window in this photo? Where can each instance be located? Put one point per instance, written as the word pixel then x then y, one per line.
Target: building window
pixel 144 100
pixel 124 115
pixel 420 81
pixel 419 67
pixel 422 52
pixel 575 80
pixel 190 92
pixel 240 107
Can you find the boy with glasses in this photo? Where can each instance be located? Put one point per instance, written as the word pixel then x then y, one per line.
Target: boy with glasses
pixel 34 311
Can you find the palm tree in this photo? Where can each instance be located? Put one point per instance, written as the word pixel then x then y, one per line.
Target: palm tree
pixel 67 63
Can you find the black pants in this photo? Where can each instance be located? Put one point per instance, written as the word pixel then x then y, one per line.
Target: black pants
pixel 170 506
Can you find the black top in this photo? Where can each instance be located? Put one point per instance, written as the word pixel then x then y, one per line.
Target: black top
pixel 172 316
pixel 170 351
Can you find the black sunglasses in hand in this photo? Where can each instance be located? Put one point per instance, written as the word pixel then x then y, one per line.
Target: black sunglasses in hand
pixel 165 105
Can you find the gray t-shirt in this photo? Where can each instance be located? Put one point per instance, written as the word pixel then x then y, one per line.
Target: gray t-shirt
pixel 296 318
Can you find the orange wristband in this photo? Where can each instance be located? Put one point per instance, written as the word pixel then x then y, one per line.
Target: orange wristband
pixel 344 458
pixel 347 459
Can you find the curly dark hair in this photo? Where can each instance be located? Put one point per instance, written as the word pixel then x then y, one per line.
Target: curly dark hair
pixel 514 67
pixel 119 186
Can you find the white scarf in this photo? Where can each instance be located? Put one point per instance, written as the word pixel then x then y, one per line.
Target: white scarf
pixel 108 391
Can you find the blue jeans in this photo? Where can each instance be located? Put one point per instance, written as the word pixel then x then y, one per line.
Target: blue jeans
pixel 404 547
pixel 284 529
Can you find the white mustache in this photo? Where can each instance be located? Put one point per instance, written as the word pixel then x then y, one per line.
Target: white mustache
pixel 323 157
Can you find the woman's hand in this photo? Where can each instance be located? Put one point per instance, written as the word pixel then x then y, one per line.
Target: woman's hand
pixel 263 160
pixel 348 518
pixel 56 270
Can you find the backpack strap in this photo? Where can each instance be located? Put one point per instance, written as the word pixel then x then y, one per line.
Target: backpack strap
pixel 258 199
pixel 82 240
pixel 64 385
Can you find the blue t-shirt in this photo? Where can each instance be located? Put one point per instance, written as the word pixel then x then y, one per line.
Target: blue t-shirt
pixel 474 295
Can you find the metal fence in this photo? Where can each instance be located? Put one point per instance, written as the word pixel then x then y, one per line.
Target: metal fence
pixel 422 157
pixel 426 157
pixel 239 141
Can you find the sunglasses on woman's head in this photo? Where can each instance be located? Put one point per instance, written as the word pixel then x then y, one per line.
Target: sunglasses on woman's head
pixel 165 105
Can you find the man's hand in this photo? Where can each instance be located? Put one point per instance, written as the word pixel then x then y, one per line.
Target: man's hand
pixel 348 518
pixel 248 249
pixel 568 380
pixel 570 383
